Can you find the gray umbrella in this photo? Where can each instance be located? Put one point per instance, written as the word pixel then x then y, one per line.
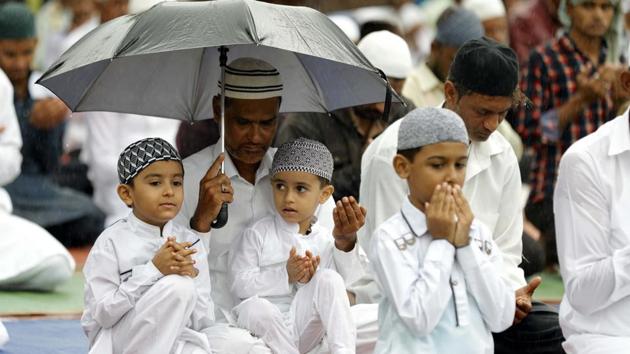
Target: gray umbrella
pixel 167 60
pixel 164 61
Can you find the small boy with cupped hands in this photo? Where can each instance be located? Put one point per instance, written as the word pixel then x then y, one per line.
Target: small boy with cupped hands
pixel 289 271
pixel 438 268
pixel 147 282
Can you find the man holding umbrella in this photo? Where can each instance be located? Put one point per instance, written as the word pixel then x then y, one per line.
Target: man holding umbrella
pixel 253 94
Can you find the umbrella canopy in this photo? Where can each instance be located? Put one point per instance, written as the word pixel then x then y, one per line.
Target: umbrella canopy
pixel 165 61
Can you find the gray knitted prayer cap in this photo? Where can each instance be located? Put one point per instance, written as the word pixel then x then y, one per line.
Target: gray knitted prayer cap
pixel 303 155
pixel 139 155
pixel 426 126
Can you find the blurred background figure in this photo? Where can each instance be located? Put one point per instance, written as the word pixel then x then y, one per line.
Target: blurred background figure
pixel 532 23
pixel 425 84
pixel 493 18
pixel 67 214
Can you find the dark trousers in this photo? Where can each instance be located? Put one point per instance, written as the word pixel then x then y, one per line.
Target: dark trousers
pixel 538 333
pixel 533 256
pixel 541 215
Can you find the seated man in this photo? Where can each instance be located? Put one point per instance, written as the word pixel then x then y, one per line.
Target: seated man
pixel 591 203
pixel 67 214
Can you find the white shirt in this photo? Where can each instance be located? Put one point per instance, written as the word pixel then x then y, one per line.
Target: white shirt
pixel 119 270
pixel 258 259
pixel 10 142
pixel 108 135
pixel 492 187
pixel 251 203
pixel 591 206
pixel 437 299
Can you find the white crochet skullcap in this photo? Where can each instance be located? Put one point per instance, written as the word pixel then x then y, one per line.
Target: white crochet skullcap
pixel 485 9
pixel 303 155
pixel 430 125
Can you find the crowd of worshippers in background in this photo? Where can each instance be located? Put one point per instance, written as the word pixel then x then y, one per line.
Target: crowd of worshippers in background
pixel 59 182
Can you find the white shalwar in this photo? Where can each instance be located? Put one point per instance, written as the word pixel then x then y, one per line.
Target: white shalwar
pixel 438 299
pixel 293 318
pixel 492 188
pixel 251 203
pixel 591 206
pixel 130 307
pixel 30 257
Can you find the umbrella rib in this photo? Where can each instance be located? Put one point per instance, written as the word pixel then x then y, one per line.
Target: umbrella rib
pixel 197 81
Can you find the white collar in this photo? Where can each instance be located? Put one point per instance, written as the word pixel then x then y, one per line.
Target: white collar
pixel 620 135
pixel 480 153
pixel 230 168
pixel 148 229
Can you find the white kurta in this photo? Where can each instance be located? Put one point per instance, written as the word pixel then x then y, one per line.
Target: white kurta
pixel 30 257
pixel 438 299
pixel 108 134
pixel 119 278
pixel 251 203
pixel 492 187
pixel 258 269
pixel 591 204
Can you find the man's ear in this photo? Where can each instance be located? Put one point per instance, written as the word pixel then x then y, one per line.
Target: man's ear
pixel 125 193
pixel 402 166
pixel 326 193
pixel 450 94
pixel 216 109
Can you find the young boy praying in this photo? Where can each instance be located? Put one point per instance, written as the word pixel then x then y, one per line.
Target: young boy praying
pixel 436 265
pixel 147 282
pixel 288 300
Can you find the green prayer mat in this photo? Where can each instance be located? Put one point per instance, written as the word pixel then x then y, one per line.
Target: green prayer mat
pixel 551 289
pixel 67 299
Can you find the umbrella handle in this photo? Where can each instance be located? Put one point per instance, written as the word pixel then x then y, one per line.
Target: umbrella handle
pixel 222 218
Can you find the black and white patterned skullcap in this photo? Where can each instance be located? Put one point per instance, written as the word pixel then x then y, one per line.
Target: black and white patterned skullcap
pixel 426 126
pixel 139 155
pixel 251 79
pixel 303 155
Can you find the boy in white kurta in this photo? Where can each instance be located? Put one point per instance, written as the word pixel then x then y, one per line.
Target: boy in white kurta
pixel 437 266
pixel 147 284
pixel 287 300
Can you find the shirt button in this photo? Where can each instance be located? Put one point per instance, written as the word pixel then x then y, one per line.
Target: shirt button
pixel 454 282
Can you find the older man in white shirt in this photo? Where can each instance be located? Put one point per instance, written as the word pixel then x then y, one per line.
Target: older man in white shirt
pixel 591 203
pixel 480 88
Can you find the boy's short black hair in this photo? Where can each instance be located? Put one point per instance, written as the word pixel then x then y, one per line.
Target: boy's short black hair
pixel 409 154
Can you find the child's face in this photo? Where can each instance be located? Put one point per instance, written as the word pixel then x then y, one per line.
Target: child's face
pixel 296 196
pixel 432 165
pixel 157 192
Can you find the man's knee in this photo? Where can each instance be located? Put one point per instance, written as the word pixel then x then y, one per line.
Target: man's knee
pixel 225 339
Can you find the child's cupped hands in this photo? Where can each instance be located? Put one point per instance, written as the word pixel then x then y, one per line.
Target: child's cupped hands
pixel 176 258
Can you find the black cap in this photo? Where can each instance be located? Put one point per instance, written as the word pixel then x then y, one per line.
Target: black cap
pixel 486 67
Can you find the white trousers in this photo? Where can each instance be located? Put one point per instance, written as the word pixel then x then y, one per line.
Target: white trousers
pixel 319 308
pixel 157 323
pixel 30 257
